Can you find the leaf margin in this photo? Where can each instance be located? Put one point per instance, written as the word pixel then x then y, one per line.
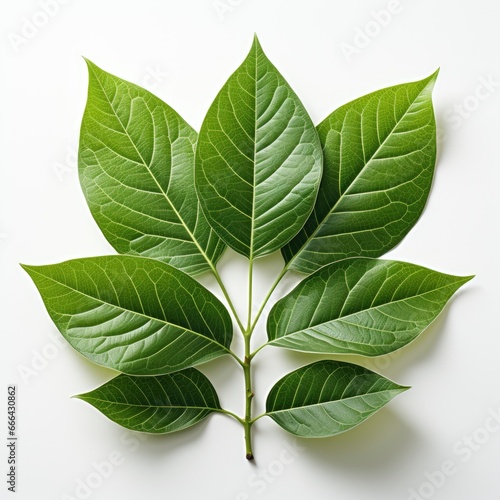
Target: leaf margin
pixel 202 384
pixel 222 349
pixel 373 267
pixel 396 389
pixel 293 259
pixel 208 256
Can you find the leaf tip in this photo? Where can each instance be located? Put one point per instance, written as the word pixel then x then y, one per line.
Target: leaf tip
pixel 82 397
pixel 92 67
pixel 27 268
pixel 89 63
pixel 256 46
pixel 431 79
pixel 465 279
pixel 399 389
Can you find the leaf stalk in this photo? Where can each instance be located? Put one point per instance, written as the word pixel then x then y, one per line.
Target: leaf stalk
pixel 249 395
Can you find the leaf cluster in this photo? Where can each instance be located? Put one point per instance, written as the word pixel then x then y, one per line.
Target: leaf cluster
pixel 259 177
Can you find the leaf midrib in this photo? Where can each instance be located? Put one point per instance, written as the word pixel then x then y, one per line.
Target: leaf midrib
pixel 191 235
pixel 334 401
pixel 153 407
pixel 341 197
pixel 252 220
pixel 372 308
pixel 167 323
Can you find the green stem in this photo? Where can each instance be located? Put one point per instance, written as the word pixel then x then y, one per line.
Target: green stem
pixel 267 297
pixel 249 421
pixel 247 367
pixel 257 418
pixel 235 357
pixel 231 414
pixel 248 439
pixel 227 297
pixel 249 329
pixel 258 349
pixel 247 424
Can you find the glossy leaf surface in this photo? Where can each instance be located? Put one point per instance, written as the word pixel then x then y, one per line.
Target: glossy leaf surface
pixel 135 315
pixel 360 306
pixel 328 397
pixel 136 164
pixel 258 159
pixel 158 405
pixel 380 152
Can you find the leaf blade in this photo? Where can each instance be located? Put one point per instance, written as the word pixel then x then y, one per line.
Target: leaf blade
pixel 360 306
pixel 136 167
pixel 327 397
pixel 113 311
pixel 380 154
pixel 258 138
pixel 157 405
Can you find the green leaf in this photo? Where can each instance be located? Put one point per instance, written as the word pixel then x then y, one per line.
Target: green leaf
pixel 328 397
pixel 135 315
pixel 360 306
pixel 158 405
pixel 136 163
pixel 380 152
pixel 258 159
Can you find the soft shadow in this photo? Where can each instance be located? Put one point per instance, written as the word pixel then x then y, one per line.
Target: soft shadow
pixel 157 449
pixel 424 347
pixel 99 374
pixel 427 346
pixel 222 372
pixel 155 446
pixel 378 444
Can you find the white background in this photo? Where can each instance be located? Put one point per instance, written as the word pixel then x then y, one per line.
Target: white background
pixel 193 46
